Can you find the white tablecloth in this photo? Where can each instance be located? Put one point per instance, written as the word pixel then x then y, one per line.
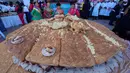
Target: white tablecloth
pixel 10 21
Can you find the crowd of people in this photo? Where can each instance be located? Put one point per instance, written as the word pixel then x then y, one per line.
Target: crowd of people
pixel 37 11
pixel 82 8
pixel 113 10
pixel 5 6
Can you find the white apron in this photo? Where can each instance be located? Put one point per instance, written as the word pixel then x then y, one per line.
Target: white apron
pixel 106 10
pixel 110 5
pixel 96 9
pixel 102 11
pixel 4 8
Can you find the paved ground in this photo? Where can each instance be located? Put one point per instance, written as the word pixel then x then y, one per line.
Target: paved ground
pixel 9 30
pixel 103 22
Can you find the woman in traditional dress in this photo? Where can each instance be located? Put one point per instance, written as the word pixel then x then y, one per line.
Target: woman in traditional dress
pixel 48 12
pixel 19 10
pixel 17 6
pixel 58 10
pixel 36 12
pixel 73 10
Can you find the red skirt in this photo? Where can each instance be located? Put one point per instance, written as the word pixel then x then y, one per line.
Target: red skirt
pixel 21 16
